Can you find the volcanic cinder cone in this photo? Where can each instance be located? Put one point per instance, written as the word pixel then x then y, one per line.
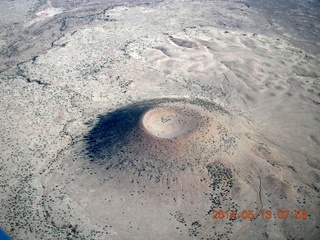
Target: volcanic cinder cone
pixel 165 136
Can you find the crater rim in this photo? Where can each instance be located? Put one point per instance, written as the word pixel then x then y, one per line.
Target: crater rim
pixel 170 121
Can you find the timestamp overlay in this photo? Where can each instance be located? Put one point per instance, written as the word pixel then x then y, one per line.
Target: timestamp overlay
pixel 263 214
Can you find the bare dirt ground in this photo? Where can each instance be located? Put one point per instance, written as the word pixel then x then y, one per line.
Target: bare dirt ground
pixel 160 120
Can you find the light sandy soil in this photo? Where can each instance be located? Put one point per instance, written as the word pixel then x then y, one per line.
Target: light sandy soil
pixel 137 120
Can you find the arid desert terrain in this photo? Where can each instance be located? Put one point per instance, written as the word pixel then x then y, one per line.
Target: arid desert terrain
pixel 169 119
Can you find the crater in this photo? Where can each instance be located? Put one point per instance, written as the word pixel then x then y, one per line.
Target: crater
pixel 170 122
